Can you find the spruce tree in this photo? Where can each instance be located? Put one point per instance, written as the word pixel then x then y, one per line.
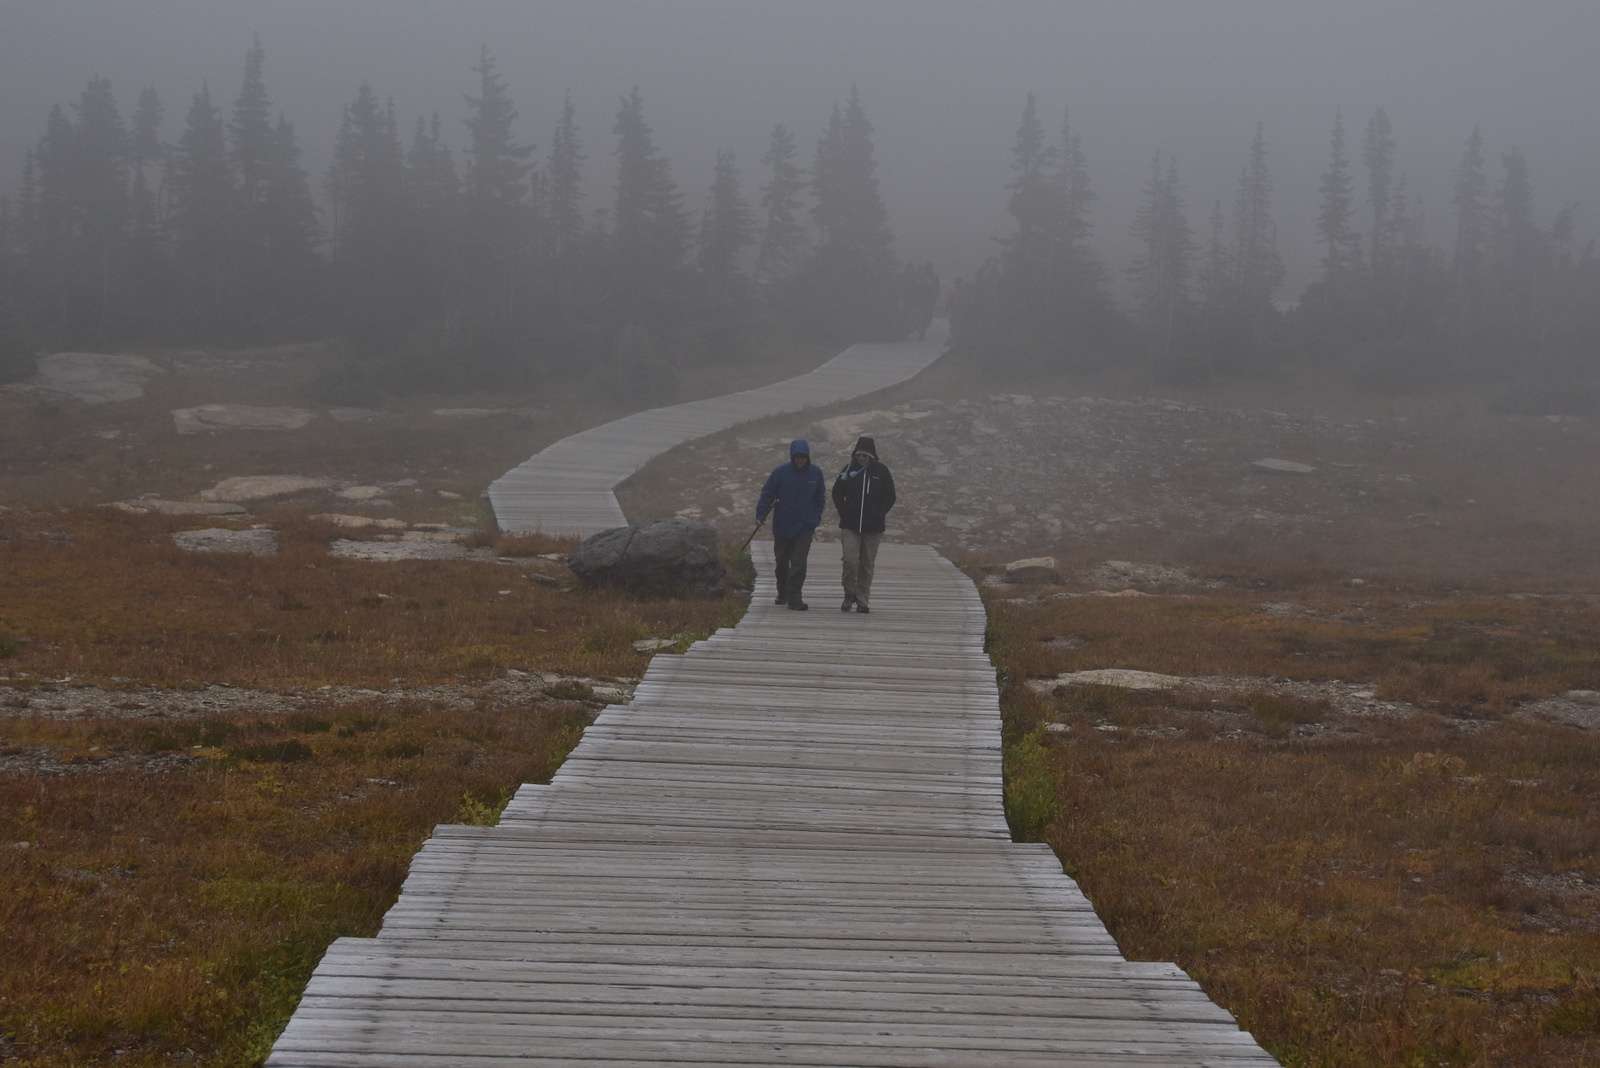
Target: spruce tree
pixel 783 236
pixel 1470 198
pixel 1258 270
pixel 1341 244
pixel 850 290
pixel 1377 153
pixel 101 164
pixel 202 194
pixel 727 227
pixel 1161 268
pixel 379 289
pixel 497 220
pixel 564 182
pixel 1034 201
pixel 650 234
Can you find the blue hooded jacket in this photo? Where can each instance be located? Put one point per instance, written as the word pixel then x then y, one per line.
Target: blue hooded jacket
pixel 800 495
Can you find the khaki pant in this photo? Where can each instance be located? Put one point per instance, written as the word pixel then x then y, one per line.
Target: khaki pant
pixel 860 553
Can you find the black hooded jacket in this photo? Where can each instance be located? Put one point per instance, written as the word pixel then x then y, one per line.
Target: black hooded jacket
pixel 863 495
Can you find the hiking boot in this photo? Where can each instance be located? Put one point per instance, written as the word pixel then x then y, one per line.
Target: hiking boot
pixel 781 599
pixel 798 606
pixel 849 602
pixel 862 607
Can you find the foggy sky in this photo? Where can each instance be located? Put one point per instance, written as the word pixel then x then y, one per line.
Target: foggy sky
pixel 943 83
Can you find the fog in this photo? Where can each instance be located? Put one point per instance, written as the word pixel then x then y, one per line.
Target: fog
pixel 943 83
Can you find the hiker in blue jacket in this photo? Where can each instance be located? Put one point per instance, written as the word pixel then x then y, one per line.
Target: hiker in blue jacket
pixel 795 496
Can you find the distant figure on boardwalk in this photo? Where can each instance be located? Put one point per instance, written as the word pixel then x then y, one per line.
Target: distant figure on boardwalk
pixel 794 495
pixel 863 493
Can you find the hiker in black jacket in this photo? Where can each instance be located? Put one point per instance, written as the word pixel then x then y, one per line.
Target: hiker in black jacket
pixel 863 493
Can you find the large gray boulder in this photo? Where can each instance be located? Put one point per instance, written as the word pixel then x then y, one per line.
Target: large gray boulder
pixel 670 557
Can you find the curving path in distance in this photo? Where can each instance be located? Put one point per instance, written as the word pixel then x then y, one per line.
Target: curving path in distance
pixel 567 488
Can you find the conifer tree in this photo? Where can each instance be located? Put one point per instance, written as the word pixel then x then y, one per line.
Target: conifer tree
pixel 1470 198
pixel 850 283
pixel 379 290
pixel 498 224
pixel 650 232
pixel 1341 244
pixel 1377 153
pixel 250 143
pixel 1258 270
pixel 146 151
pixel 727 227
pixel 101 165
pixel 564 182
pixel 1035 202
pixel 783 236
pixel 202 193
pixel 1161 268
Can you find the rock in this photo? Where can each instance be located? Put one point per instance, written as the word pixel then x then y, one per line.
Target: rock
pixel 653 645
pixel 95 378
pixel 361 493
pixel 357 522
pixel 238 417
pixel 1034 571
pixel 1284 467
pixel 259 542
pixel 1119 677
pixel 676 556
pixel 356 415
pixel 147 506
pixel 408 548
pixel 260 487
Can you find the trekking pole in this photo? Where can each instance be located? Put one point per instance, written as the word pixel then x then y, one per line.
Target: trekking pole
pixel 752 537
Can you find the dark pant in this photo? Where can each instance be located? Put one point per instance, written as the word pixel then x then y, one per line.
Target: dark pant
pixel 789 559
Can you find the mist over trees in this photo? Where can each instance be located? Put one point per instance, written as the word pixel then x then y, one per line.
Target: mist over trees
pixel 1513 302
pixel 435 270
pixel 492 265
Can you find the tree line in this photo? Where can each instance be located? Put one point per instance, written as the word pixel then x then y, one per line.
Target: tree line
pixel 1511 300
pixel 436 269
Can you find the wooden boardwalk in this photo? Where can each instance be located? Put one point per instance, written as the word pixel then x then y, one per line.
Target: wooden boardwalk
pixel 567 488
pixel 787 850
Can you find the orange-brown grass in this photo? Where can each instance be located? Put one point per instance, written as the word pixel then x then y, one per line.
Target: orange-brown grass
pixel 101 595
pixel 166 899
pixel 1358 890
pixel 160 917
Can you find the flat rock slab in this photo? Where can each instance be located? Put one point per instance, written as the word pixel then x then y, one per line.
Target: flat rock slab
pixel 1284 467
pixel 223 540
pixel 359 522
pixel 409 547
pixel 260 487
pixel 146 506
pixel 94 377
pixel 209 417
pixel 1034 571
pixel 1127 680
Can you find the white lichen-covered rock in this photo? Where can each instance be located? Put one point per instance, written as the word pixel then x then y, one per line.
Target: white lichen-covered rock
pixel 260 487
pixel 1284 467
pixel 359 522
pixel 151 506
pixel 256 542
pixel 238 417
pixel 94 377
pixel 1034 571
pixel 1118 677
